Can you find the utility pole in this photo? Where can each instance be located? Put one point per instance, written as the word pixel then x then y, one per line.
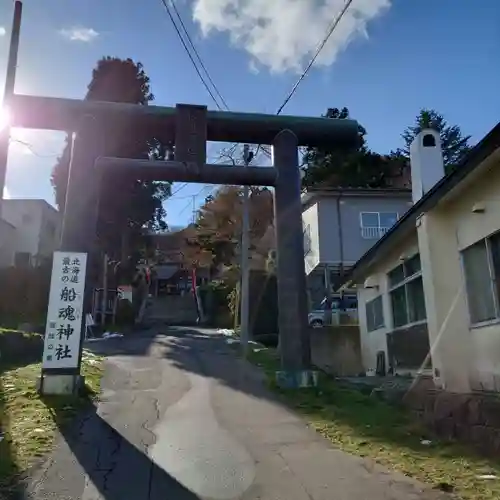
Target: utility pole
pixel 194 208
pixel 245 264
pixel 10 79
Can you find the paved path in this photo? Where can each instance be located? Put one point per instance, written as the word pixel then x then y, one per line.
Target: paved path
pixel 182 419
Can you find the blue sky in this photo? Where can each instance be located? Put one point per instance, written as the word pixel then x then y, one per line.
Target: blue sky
pixel 385 61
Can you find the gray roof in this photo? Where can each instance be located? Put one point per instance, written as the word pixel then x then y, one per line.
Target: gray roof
pixel 487 146
pixel 312 193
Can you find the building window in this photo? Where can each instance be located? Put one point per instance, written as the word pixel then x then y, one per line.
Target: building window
pixel 307 239
pixel 375 224
pixel 407 293
pixel 481 263
pixel 374 314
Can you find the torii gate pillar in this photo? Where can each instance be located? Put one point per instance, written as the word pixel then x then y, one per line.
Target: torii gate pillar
pixel 295 349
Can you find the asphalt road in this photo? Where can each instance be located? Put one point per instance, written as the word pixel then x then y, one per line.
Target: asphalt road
pixel 181 418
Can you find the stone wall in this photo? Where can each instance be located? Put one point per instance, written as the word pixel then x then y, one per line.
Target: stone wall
pixel 470 418
pixel 337 350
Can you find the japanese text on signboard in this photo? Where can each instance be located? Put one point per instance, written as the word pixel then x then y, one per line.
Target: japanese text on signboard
pixel 64 316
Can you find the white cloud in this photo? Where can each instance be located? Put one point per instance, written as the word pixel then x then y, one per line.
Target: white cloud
pixel 3 31
pixel 283 34
pixel 79 34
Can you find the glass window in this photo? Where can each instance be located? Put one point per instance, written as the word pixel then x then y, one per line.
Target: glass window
pixel 495 261
pixel 399 306
pixel 397 275
pixel 408 299
pixel 388 219
pixel 412 265
pixel 374 314
pixel 416 300
pixel 369 219
pixel 480 298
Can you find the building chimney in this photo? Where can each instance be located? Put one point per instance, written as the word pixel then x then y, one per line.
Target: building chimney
pixel 426 162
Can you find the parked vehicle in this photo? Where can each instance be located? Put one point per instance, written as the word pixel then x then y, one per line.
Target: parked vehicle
pixel 348 304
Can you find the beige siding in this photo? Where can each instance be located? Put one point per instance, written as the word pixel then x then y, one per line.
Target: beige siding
pixel 480 356
pixel 374 341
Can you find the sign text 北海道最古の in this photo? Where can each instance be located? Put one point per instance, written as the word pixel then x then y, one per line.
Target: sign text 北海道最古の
pixel 64 316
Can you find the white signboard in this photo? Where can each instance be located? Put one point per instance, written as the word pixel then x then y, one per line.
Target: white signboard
pixel 64 316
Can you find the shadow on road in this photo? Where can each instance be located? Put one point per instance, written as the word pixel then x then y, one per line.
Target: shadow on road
pixel 114 467
pixel 200 351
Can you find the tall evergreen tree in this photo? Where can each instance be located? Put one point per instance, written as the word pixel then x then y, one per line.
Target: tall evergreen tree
pixel 454 144
pixel 127 206
pixel 347 168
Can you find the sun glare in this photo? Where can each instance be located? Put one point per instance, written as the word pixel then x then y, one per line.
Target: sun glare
pixel 4 118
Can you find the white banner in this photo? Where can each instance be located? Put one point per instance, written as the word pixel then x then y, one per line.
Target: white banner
pixel 64 317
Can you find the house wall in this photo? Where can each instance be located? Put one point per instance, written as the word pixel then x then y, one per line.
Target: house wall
pixel 26 217
pixel 50 230
pixel 376 340
pixel 37 226
pixel 349 234
pixel 466 357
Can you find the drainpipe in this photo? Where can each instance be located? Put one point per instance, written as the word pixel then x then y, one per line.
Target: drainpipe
pixel 340 235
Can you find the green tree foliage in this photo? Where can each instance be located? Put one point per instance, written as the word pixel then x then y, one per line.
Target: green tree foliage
pixel 348 168
pixel 127 206
pixel 454 144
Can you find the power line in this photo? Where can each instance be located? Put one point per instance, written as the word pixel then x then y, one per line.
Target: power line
pixel 331 29
pixel 321 46
pixel 169 12
pixel 179 189
pixel 32 150
pixel 197 54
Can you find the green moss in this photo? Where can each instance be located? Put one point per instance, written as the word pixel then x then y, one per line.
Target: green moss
pixel 29 422
pixel 368 427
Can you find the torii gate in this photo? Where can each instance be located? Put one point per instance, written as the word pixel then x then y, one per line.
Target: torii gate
pixel 190 127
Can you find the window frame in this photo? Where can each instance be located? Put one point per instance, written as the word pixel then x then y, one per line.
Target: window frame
pixel 376 327
pixel 379 226
pixel 403 283
pixel 493 280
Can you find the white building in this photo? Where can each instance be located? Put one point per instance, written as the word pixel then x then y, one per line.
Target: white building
pixel 340 225
pixel 29 232
pixel 429 290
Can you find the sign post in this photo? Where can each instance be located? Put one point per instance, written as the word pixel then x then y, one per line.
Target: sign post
pixel 65 323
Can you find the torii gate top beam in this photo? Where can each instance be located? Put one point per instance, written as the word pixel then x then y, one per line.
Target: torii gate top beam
pixel 50 113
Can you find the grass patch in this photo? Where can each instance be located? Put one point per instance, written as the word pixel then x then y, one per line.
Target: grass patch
pixel 367 427
pixel 28 422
